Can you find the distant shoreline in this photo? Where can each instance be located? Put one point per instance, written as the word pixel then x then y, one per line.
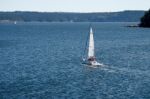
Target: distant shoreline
pixel 10 21
pixel 122 16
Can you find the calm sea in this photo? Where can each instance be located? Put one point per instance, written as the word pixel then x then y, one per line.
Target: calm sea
pixel 43 61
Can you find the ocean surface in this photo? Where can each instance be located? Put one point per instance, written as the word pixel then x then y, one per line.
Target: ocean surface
pixel 43 61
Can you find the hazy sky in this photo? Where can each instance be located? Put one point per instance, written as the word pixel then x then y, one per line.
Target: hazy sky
pixel 73 5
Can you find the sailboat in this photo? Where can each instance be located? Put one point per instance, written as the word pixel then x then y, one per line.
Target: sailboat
pixel 90 57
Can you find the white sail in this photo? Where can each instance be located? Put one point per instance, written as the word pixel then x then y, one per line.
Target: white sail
pixel 91 44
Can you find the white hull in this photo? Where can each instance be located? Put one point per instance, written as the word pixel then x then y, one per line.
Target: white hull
pixel 92 63
pixel 95 63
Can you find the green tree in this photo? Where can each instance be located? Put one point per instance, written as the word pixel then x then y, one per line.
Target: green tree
pixel 145 20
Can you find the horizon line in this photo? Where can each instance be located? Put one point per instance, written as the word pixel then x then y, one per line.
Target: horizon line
pixel 69 11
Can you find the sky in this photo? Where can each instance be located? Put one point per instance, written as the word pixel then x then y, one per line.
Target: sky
pixel 74 5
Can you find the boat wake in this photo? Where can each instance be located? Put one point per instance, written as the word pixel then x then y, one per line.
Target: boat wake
pixel 112 69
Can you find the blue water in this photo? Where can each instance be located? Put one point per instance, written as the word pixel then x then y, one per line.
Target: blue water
pixel 43 61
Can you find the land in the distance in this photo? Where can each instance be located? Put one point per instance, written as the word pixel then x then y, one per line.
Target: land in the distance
pixel 122 16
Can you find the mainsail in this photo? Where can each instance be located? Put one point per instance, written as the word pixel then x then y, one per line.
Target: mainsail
pixel 91 44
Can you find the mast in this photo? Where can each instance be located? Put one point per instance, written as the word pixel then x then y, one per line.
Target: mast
pixel 91 45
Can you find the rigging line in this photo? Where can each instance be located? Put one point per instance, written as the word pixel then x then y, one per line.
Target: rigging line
pixel 85 49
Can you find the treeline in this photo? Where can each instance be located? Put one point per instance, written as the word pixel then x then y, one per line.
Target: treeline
pixel 124 16
pixel 145 20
